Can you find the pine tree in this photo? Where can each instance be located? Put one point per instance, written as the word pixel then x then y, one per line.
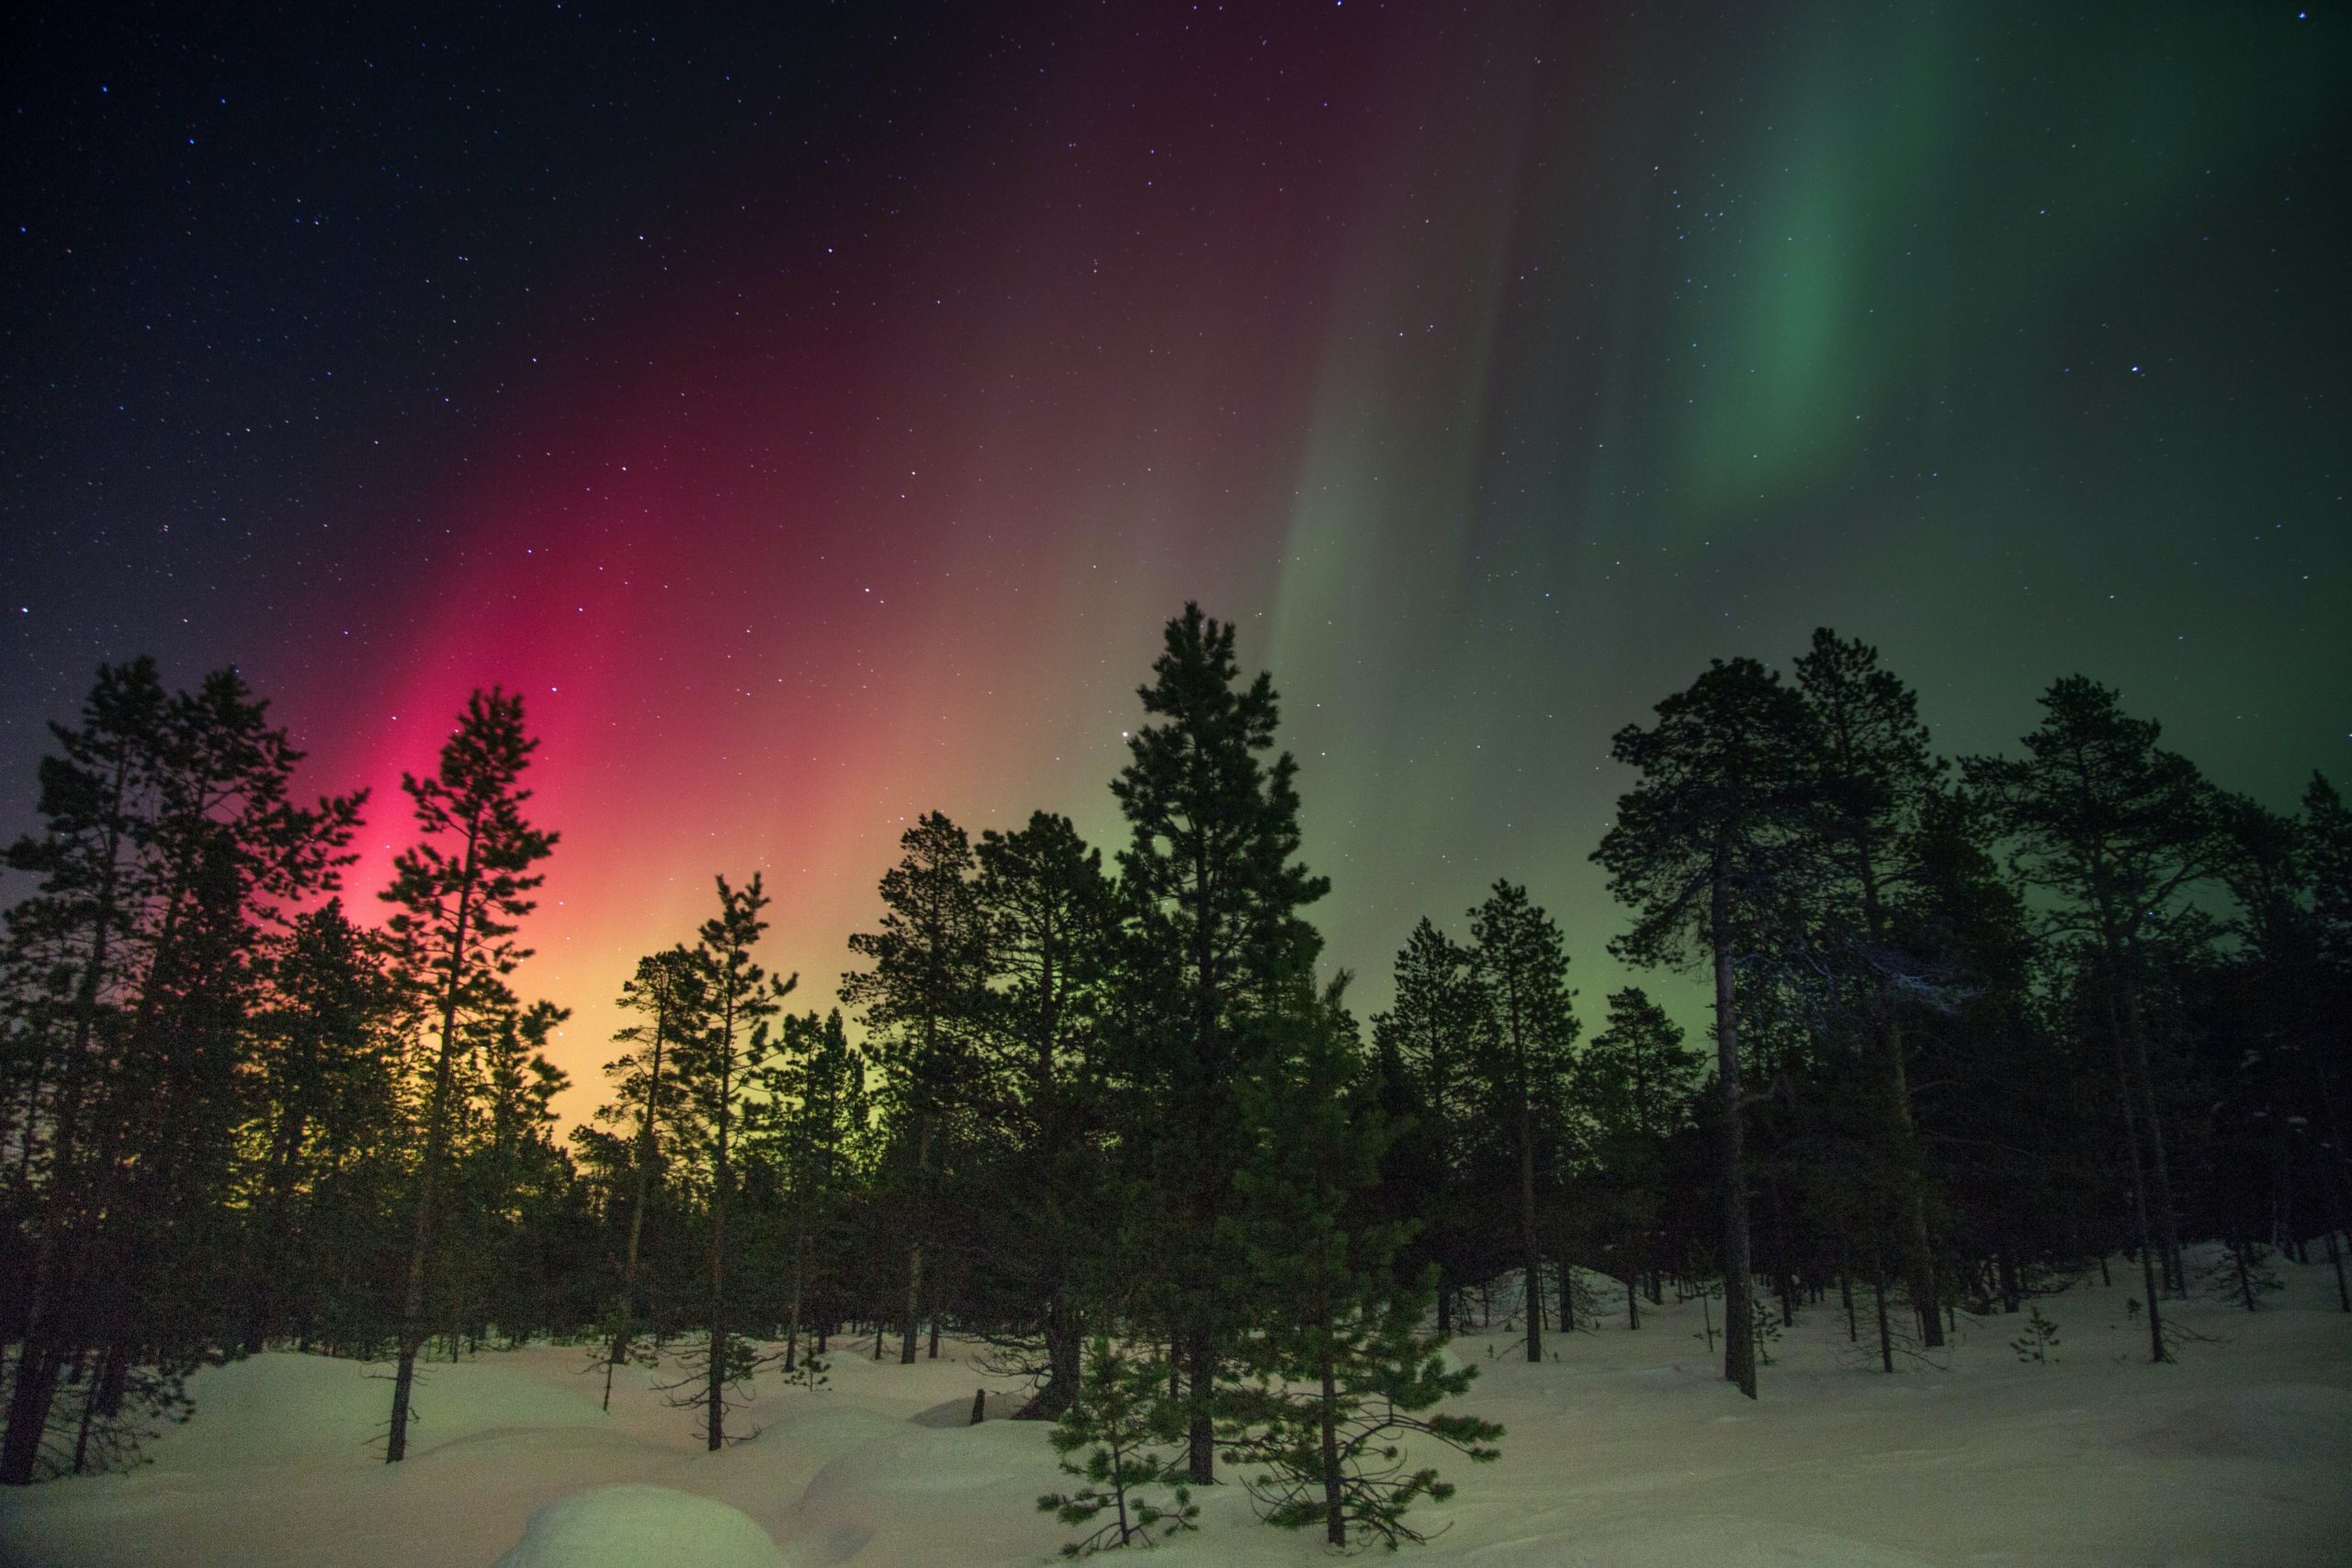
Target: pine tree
pixel 458 909
pixel 2118 832
pixel 170 856
pixel 325 1092
pixel 1117 1416
pixel 516 1170
pixel 920 1002
pixel 2038 1343
pixel 1520 967
pixel 718 1064
pixel 811 1118
pixel 667 994
pixel 1213 935
pixel 1636 1080
pixel 1877 778
pixel 1710 851
pixel 1048 913
pixel 1433 1032
pixel 1342 1367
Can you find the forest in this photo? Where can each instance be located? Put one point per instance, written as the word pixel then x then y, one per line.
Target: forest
pixel 1975 1025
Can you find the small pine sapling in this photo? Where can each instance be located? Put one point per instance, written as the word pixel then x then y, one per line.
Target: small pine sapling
pixel 1342 1367
pixel 2244 1276
pixel 1706 1288
pixel 1767 1331
pixel 2038 1343
pixel 1121 1420
pixel 806 1369
pixel 1389 1378
pixel 698 1382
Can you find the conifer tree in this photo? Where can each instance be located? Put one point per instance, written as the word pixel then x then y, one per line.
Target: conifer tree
pixel 1047 913
pixel 1636 1080
pixel 2117 831
pixel 1877 778
pixel 1117 1416
pixel 1521 970
pixel 666 993
pixel 811 1118
pixel 920 1002
pixel 170 856
pixel 1709 850
pixel 718 1064
pixel 1213 891
pixel 326 1089
pixel 458 892
pixel 1433 1031
pixel 513 1177
pixel 1341 1366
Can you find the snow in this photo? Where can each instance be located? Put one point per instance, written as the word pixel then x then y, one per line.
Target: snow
pixel 1628 1452
pixel 641 1527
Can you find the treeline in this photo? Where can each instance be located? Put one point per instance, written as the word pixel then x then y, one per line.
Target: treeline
pixel 1976 1028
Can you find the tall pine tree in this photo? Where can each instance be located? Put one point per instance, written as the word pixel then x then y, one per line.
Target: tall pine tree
pixel 1710 852
pixel 1520 966
pixel 458 894
pixel 1213 891
pixel 920 1002
pixel 2118 832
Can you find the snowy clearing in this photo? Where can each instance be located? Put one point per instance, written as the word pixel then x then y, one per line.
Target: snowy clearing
pixel 1628 1450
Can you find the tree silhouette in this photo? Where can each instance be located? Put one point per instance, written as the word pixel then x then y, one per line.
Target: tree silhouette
pixel 458 892
pixel 1710 851
pixel 1212 894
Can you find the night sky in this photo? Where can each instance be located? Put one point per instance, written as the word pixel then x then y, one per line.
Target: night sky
pixel 817 417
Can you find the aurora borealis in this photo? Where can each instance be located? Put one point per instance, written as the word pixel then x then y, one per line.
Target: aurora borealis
pixel 816 417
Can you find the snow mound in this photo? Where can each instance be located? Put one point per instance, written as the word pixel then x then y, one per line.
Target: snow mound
pixel 641 1527
pixel 959 1412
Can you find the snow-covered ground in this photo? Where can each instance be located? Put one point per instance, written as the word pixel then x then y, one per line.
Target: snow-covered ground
pixel 1627 1451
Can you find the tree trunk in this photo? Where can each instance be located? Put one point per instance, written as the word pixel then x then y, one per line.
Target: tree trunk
pixel 1918 1257
pixel 2124 1094
pixel 1739 1320
pixel 1784 1284
pixel 648 1145
pixel 436 1148
pixel 799 1275
pixel 102 1400
pixel 914 1243
pixel 1335 1521
pixel 1885 1334
pixel 715 1389
pixel 1200 1434
pixel 1534 1262
pixel 1064 1338
pixel 1632 1300
pixel 2166 1232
